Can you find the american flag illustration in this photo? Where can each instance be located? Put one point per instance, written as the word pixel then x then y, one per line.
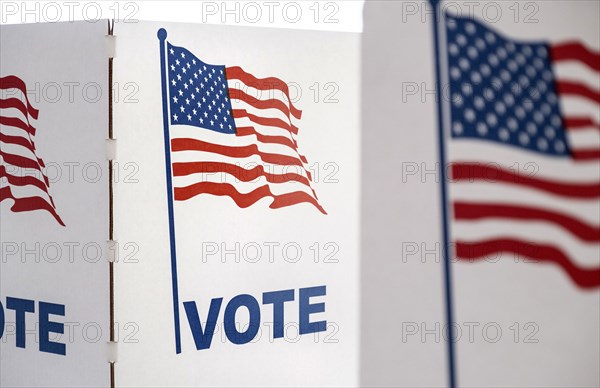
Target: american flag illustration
pixel 524 150
pixel 233 134
pixel 22 176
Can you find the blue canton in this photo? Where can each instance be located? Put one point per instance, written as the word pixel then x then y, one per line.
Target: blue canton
pixel 198 92
pixel 502 91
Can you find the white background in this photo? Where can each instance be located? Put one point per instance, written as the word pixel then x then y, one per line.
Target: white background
pixel 311 15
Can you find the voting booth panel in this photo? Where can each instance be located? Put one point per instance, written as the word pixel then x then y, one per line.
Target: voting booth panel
pixel 512 117
pixel 229 210
pixel 252 265
pixel 54 297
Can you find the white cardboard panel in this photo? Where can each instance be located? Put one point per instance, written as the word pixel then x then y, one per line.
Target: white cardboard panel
pixel 329 133
pixel 555 340
pixel 65 69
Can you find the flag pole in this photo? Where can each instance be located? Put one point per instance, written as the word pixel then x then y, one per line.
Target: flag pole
pixel 444 197
pixel 162 36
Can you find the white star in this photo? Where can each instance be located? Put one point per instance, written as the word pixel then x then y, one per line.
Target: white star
pixel 221 126
pixel 183 70
pixel 219 110
pixel 173 82
pixel 201 121
pixel 185 86
pixel 225 118
pixel 201 85
pixel 205 114
pixel 189 118
pixel 194 111
pixel 197 90
pixel 182 55
pixel 175 117
pixel 482 129
pixel 203 99
pixel 212 123
pixel 213 70
pixel 175 99
pixel 172 51
pixel 195 75
pixel 210 107
pixel 180 92
pixel 188 65
pixel 182 108
pixel 199 105
pixel 194 61
pixel 178 77
pixel 204 67
pixel 172 67
pixel 177 62
pixel 230 126
pixel 193 96
pixel 216 117
pixel 187 102
pixel 457 127
pixel 191 81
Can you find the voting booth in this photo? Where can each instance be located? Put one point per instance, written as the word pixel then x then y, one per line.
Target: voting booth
pixel 180 205
pixel 209 205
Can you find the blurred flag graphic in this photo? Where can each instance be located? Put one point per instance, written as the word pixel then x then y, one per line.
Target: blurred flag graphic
pixel 524 150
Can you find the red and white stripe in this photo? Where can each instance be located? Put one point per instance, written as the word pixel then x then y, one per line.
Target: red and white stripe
pixel 577 71
pixel 508 203
pixel 22 177
pixel 261 160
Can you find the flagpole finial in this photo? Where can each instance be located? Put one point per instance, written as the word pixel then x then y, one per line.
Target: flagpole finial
pixel 162 34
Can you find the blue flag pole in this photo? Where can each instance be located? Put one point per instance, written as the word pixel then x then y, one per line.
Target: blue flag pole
pixel 162 36
pixel 444 196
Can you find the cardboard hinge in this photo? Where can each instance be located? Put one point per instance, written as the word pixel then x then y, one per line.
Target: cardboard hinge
pixel 111 251
pixel 111 46
pixel 111 149
pixel 112 351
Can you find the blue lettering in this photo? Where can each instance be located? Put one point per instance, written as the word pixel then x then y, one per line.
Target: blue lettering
pixel 21 306
pixel 277 299
pixel 202 338
pixel 1 320
pixel 47 327
pixel 240 338
pixel 306 309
